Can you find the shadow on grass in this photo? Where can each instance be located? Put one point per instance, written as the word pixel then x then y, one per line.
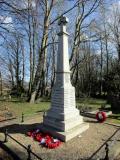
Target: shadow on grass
pixel 19 128
pixel 41 111
pixel 105 109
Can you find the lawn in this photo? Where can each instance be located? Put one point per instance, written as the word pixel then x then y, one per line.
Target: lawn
pixel 23 107
pixel 114 118
pixel 93 103
pixel 17 107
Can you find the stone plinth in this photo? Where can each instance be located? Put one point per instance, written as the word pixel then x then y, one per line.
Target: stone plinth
pixel 63 119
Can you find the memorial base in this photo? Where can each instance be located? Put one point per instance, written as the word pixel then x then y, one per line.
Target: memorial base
pixel 68 135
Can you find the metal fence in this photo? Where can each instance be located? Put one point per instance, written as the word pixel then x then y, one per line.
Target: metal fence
pixel 28 148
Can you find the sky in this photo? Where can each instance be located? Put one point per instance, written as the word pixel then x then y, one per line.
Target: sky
pixel 69 3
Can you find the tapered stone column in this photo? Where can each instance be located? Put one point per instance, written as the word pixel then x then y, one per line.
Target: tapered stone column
pixel 63 119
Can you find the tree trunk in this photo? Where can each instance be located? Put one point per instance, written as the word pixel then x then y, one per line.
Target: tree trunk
pixel 30 45
pixel 39 81
pixel 23 67
pixel 1 84
pixel 17 67
pixel 101 68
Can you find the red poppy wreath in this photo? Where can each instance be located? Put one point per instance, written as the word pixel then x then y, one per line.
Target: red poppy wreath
pixel 44 139
pixel 101 116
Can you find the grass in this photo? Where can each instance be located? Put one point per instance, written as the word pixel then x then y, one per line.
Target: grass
pixel 114 121
pixel 114 118
pixel 28 109
pixel 91 102
pixel 17 107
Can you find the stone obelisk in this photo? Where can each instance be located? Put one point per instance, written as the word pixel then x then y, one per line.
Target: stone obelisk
pixel 62 119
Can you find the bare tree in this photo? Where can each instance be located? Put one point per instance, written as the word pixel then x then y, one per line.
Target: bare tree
pixel 82 40
pixel 114 24
pixel 16 61
pixel 39 81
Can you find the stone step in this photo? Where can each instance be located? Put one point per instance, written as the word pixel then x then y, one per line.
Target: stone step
pixel 65 136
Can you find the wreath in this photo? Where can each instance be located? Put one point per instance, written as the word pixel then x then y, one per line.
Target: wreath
pixel 52 143
pixel 101 116
pixel 44 139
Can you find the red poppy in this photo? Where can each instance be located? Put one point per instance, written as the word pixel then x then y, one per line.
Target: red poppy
pixel 38 137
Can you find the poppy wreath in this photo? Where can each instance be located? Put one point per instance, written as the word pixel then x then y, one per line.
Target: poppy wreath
pixel 38 137
pixel 44 139
pixel 51 144
pixel 101 116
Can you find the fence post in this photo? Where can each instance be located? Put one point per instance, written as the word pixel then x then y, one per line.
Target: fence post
pixel 44 114
pixel 107 152
pixel 6 134
pixel 29 152
pixel 22 118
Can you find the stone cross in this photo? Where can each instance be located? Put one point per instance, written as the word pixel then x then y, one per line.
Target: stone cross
pixel 62 23
pixel 63 20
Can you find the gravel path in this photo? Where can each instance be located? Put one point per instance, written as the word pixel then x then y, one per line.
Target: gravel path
pixel 81 147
